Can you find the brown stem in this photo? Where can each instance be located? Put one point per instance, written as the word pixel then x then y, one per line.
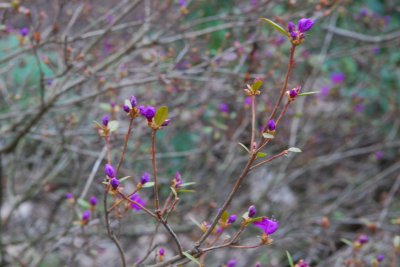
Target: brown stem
pixel 139 205
pixel 284 87
pixel 227 201
pixel 121 159
pixel 153 162
pixel 284 152
pixel 253 122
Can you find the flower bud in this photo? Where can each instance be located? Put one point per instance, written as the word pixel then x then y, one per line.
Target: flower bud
pixel 110 171
pixel 93 201
pixel 271 125
pixel 145 178
pixel 114 182
pixel 305 24
pixel 133 101
pixel 126 108
pixel 105 120
pixel 252 211
pixel 232 219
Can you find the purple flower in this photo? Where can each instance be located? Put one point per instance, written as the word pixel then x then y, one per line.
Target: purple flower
pixel 247 101
pixel 166 123
pixel 133 101
pixel 232 218
pixel 337 77
pixel 379 155
pixel 93 201
pixel 302 263
pixel 126 108
pixel 271 125
pixel 137 199
pixel 148 112
pixel 24 31
pixel 110 171
pixel 69 196
pixel 305 25
pixel 145 178
pixel 86 216
pixel 325 91
pixel 293 35
pixel 258 264
pixel 291 27
pixel 268 226
pixel 182 3
pixel 231 263
pixel 224 108
pixel 380 258
pixel 359 108
pixel 252 211
pixel 106 120
pixel 114 182
pixel 363 239
pixel 161 252
pixel 293 93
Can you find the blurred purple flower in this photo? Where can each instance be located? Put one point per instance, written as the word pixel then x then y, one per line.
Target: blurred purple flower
pixel 253 3
pixel 69 196
pixel 177 181
pixel 93 201
pixel 24 31
pixel 258 264
pixel 363 12
pixel 376 50
pixel 231 263
pixel 110 18
pixel 86 216
pixel 182 3
pixel 247 101
pixel 302 263
pixel 363 239
pixel 338 77
pixel 145 178
pixel 359 108
pixel 291 27
pixel 166 122
pixel 268 226
pixel 379 155
pixel 105 120
pixel 161 252
pixel 137 199
pixel 114 182
pixel 305 24
pixel 110 171
pixel 224 108
pixel 148 112
pixel 232 218
pixel 271 125
pixel 252 211
pixel 133 101
pixel 324 91
pixel 380 258
pixel 126 108
pixel 279 40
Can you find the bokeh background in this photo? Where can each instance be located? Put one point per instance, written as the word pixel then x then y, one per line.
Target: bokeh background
pixel 64 64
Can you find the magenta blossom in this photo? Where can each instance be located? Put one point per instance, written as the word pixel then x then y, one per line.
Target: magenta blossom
pixel 110 171
pixel 137 199
pixel 338 77
pixel 268 226
pixel 224 108
pixel 147 111
pixel 231 263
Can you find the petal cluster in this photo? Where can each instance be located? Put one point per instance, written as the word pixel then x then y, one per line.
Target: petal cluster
pixel 268 226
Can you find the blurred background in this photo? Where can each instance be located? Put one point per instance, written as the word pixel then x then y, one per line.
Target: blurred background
pixel 64 64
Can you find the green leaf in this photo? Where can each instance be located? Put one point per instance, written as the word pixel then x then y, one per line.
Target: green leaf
pixel 294 149
pixel 124 178
pixel 396 241
pixel 149 184
pixel 255 86
pixel 161 115
pixel 105 106
pixel 347 242
pixel 190 257
pixel 268 136
pixel 244 147
pixel 186 191
pixel 308 93
pixel 174 192
pixel 289 258
pixel 261 154
pixel 225 216
pixel 257 219
pixel 195 222
pixel 187 184
pixel 83 203
pixel 113 126
pixel 245 215
pixel 276 27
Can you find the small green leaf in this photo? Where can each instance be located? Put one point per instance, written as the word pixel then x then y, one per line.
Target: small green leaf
pixel 161 115
pixel 257 219
pixel 149 184
pixel 124 178
pixel 245 215
pixel 308 93
pixel 347 242
pixel 225 216
pixel 276 27
pixel 190 257
pixel 187 184
pixel 255 86
pixel 261 154
pixel 113 126
pixel 268 136
pixel 174 192
pixel 195 222
pixel 186 191
pixel 105 106
pixel 289 258
pixel 294 149
pixel 83 203
pixel 396 241
pixel 244 147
